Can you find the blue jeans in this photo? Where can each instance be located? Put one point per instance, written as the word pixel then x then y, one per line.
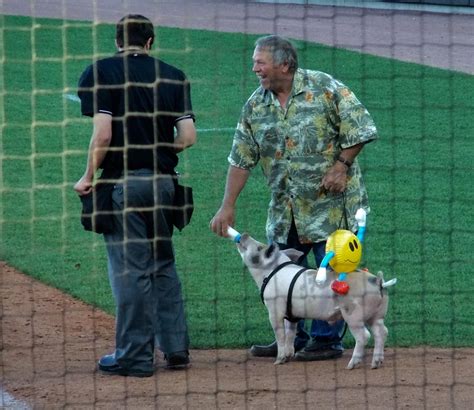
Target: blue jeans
pixel 142 271
pixel 321 330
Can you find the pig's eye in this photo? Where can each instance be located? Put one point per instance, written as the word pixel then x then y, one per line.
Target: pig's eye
pixel 259 247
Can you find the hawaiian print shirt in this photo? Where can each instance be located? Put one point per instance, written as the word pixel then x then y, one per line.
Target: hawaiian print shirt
pixel 295 147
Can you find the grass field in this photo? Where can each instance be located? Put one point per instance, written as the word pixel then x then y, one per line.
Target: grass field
pixel 418 176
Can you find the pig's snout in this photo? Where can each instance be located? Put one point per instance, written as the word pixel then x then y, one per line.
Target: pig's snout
pixel 242 244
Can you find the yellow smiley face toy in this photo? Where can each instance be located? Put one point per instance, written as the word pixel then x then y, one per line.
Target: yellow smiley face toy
pixel 347 251
pixel 343 254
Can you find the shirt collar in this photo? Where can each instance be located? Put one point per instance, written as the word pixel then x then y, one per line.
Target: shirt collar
pixel 300 82
pixel 300 85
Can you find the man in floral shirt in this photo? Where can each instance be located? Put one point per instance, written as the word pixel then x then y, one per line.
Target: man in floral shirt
pixel 305 128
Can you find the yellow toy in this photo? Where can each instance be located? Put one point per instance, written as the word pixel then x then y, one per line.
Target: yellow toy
pixel 343 254
pixel 347 250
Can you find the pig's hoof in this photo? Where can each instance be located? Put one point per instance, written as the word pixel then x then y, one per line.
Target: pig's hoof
pixel 281 360
pixel 354 364
pixel 376 363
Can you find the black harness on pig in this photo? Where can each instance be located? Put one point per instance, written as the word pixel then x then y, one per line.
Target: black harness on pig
pixel 289 316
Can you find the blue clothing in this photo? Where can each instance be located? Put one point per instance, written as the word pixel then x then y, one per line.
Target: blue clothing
pixel 142 271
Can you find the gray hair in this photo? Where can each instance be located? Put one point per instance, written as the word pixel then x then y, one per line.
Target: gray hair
pixel 281 49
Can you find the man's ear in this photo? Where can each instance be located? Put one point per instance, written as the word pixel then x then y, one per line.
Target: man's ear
pixel 293 254
pixel 285 67
pixel 149 43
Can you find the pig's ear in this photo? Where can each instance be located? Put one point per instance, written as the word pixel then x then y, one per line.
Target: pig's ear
pixel 270 251
pixel 293 254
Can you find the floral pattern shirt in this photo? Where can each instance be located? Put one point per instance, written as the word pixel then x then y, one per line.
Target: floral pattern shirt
pixel 295 147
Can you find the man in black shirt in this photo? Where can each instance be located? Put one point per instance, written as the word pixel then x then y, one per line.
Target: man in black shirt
pixel 137 102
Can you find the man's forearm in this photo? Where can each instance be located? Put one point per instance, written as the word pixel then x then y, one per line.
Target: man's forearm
pixel 186 134
pixel 100 142
pixel 97 153
pixel 236 180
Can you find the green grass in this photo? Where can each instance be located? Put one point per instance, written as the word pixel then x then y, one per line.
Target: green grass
pixel 418 175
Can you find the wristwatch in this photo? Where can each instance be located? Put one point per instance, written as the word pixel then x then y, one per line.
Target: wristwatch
pixel 346 162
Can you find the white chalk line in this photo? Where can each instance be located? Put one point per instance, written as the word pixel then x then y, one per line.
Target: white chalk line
pixel 7 401
pixel 72 97
pixel 75 98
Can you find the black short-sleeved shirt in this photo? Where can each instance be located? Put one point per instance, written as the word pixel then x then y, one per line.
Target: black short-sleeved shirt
pixel 145 97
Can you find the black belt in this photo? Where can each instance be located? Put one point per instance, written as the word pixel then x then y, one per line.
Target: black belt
pixel 139 171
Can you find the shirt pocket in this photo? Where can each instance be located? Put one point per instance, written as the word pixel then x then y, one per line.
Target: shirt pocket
pixel 317 137
pixel 270 142
pixel 310 143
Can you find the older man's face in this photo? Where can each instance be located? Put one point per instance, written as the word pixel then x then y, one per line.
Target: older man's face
pixel 267 72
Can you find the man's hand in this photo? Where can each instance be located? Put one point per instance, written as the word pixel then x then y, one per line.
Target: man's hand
pixel 335 179
pixel 223 218
pixel 83 186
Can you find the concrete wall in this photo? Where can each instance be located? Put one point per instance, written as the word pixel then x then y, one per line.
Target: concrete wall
pixel 469 3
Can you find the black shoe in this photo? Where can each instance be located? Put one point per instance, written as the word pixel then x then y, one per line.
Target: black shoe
pixel 270 350
pixel 320 350
pixel 177 360
pixel 309 356
pixel 323 343
pixel 108 365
